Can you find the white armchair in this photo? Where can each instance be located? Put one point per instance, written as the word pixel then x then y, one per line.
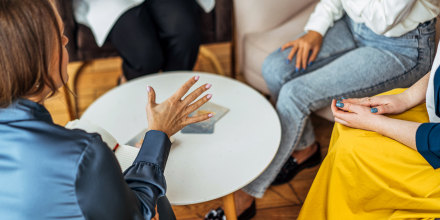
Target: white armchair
pixel 262 26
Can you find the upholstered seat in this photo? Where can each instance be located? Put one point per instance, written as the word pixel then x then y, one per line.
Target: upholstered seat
pixel 263 26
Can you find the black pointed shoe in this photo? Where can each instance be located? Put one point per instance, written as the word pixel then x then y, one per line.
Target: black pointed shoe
pixel 291 167
pixel 219 214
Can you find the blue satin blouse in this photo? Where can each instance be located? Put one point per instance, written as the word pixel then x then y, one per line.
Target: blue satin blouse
pixel 49 172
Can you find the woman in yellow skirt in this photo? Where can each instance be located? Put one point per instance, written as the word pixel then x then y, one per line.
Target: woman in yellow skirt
pixel 386 165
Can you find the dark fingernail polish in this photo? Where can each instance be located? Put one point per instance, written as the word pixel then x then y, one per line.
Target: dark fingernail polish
pixel 303 69
pixel 373 110
pixel 310 63
pixel 340 105
pixel 296 69
pixel 338 101
pixel 287 61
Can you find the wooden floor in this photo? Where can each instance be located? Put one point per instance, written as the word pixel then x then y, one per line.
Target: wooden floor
pixel 280 202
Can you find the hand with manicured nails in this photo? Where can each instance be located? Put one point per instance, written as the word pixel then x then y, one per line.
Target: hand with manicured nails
pixel 171 115
pixel 355 115
pixel 302 47
pixel 384 104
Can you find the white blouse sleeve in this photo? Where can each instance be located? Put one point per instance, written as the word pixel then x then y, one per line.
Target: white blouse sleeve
pixel 379 15
pixel 207 5
pixel 324 16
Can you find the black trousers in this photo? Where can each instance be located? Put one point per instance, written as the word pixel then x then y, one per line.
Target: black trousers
pixel 157 35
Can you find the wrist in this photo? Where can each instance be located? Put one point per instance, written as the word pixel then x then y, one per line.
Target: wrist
pixel 410 99
pixel 155 128
pixel 378 124
pixel 314 34
pixel 406 100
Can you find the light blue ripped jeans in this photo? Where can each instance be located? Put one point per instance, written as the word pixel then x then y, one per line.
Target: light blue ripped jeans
pixel 353 62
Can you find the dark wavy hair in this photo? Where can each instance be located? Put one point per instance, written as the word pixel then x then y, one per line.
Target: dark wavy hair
pixel 29 34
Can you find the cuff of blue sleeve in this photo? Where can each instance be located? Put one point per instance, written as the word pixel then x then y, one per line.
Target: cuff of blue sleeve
pixel 422 141
pixel 155 149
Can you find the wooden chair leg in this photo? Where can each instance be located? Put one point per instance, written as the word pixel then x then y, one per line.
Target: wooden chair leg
pixel 205 52
pixel 70 90
pixel 233 56
pixel 68 97
pixel 229 203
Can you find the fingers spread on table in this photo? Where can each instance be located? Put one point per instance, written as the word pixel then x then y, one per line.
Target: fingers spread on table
pixel 191 108
pixel 196 93
pixel 185 88
pixel 199 118
pixel 151 96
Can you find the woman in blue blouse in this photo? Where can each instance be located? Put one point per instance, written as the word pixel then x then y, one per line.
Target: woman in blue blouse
pixel 49 172
pixel 389 169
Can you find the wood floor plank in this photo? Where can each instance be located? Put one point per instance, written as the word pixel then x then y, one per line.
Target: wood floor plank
pixel 277 196
pixel 196 211
pixel 280 213
pixel 303 181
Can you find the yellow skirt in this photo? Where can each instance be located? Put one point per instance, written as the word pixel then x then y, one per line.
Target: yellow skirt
pixel 368 176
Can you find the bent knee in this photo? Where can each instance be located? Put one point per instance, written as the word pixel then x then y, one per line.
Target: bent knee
pixel 297 91
pixel 274 66
pixel 186 36
pixel 145 61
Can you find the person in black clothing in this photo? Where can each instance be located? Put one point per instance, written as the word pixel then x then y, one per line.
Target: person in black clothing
pixel 150 36
pixel 158 35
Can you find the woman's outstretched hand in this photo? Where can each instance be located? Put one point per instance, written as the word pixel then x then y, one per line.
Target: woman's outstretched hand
pixel 306 49
pixel 171 115
pixel 383 104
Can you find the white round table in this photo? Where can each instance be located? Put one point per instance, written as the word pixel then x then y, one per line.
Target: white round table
pixel 201 167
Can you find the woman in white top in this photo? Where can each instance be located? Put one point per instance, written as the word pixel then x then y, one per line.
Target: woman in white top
pixel 389 170
pixel 351 48
pixel 150 36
